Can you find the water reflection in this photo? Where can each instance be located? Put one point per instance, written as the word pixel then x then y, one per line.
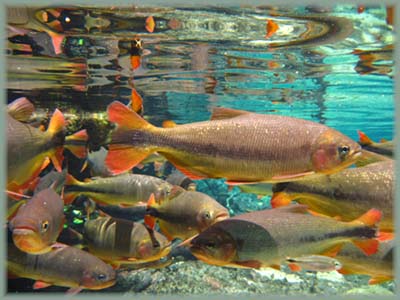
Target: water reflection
pixel 82 58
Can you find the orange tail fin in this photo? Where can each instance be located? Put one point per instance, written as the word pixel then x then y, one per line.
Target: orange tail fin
pixel 369 247
pixel 76 143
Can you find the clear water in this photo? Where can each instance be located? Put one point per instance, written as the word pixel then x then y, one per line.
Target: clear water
pixel 200 58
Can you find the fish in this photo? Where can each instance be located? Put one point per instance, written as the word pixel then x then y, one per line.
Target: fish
pixel 135 53
pixel 118 241
pixel 21 109
pixel 313 263
pixel 68 267
pixel 346 194
pixel 30 150
pixel 384 147
pixel 184 214
pixel 260 189
pixel 240 146
pixel 265 238
pixel 378 266
pixel 37 223
pixel 53 179
pixel 124 190
pixel 271 28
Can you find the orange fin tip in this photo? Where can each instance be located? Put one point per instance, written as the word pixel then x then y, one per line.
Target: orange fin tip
pixel 377 280
pixel 57 122
pixel 168 124
pixel 122 158
pixel 150 24
pixel 294 267
pixel 189 173
pixel 333 251
pixel 280 199
pixel 364 139
pixel 40 285
pixel 123 116
pixel 150 221
pixel 57 158
pixel 136 101
pixel 369 246
pixel 135 61
pixel 370 218
pixel 385 236
pixel 57 40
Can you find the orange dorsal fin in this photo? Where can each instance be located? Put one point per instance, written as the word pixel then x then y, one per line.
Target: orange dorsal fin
pixel 364 139
pixel 150 24
pixel 168 124
pixel 369 246
pixel 57 122
pixel 21 109
pixel 370 218
pixel 280 199
pixel 220 113
pixel 76 143
pixel 124 117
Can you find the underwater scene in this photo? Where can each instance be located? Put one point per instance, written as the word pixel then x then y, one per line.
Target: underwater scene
pixel 200 150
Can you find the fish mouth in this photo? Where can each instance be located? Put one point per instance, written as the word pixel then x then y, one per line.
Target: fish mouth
pixel 27 240
pixel 103 285
pixel 221 216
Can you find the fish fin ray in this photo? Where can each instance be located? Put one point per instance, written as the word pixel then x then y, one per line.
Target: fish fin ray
pixel 364 139
pixel 57 122
pixel 121 158
pixel 21 109
pixel 280 199
pixel 150 24
pixel 369 246
pixel 370 218
pixel 41 285
pixel 123 116
pixel 79 151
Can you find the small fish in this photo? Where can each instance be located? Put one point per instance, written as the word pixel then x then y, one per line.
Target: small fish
pixel 347 194
pixel 313 263
pixel 21 109
pixel 29 150
pixel 119 241
pixel 271 28
pixel 135 54
pixel 184 214
pixel 379 265
pixel 241 146
pixel 68 266
pixel 384 147
pixel 265 238
pixel 37 223
pixel 124 190
pixel 150 24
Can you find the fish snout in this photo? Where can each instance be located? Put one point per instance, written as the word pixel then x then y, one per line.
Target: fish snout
pixel 27 240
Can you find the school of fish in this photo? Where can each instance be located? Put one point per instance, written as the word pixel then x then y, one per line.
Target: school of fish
pixel 342 220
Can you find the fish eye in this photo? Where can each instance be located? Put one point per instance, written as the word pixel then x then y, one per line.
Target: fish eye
pixel 67 19
pixel 45 226
pixel 207 215
pixel 343 150
pixel 101 277
pixel 210 244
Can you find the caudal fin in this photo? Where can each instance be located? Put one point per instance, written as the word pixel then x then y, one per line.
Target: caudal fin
pixel 125 149
pixel 76 143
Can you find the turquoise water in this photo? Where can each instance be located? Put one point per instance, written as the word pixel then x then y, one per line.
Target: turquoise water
pixel 332 66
